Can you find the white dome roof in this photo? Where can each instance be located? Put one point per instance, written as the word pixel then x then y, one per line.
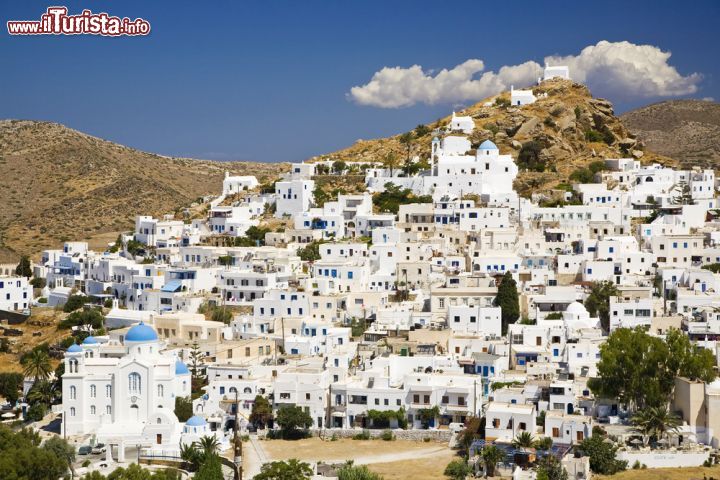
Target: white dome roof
pixel 576 308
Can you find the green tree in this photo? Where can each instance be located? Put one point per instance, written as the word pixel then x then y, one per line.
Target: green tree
pixel 355 472
pixel 24 268
pixel 655 423
pixel 210 469
pixel 602 456
pixel 293 421
pixel 61 449
pixel 262 412
pixel 457 469
pixel 37 365
pixel 10 386
pixel 629 357
pixel 74 302
pixel 310 252
pixel 422 130
pixel 529 157
pixel 598 301
pixel 549 467
pixel 197 365
pixel 339 166
pixel 491 456
pixel 21 457
pixel 36 412
pixel 183 408
pixel 91 318
pixel 292 469
pixel 686 359
pixel 393 196
pixel 508 300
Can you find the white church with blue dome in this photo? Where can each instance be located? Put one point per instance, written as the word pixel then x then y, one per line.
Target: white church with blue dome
pixel 122 389
pixel 456 169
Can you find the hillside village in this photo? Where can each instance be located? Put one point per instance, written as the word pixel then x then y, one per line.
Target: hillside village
pixel 446 300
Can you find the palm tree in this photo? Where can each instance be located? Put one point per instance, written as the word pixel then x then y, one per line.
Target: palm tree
pixel 37 365
pixel 43 391
pixel 208 444
pixel 390 162
pixel 190 453
pixel 491 455
pixel 655 423
pixel 407 140
pixel 523 440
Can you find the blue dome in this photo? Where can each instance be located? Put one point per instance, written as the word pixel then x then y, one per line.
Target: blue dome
pixel 181 368
pixel 488 145
pixel 196 421
pixel 74 348
pixel 141 333
pixel 90 341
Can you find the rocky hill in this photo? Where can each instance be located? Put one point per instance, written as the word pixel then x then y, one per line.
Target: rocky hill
pixel 60 184
pixel 685 130
pixel 564 130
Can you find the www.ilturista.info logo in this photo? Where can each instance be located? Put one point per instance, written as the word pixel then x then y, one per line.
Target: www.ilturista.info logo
pixel 56 21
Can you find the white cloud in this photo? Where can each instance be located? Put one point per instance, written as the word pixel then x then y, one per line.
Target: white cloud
pixel 618 70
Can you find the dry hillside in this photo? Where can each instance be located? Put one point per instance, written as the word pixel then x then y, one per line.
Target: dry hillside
pixel 58 184
pixel 685 130
pixel 566 125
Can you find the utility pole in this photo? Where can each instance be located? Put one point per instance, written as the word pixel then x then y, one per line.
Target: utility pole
pixel 475 397
pixel 282 327
pixel 237 442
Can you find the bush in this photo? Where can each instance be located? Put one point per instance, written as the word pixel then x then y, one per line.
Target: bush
pixel 74 302
pixel 394 196
pixel 38 282
pixel 36 412
pixel 91 317
pixel 582 175
pixel 713 267
pixel 382 418
pixel 593 136
pixel 529 157
pixel 86 463
pixel 387 435
pixel 364 435
pixel 42 300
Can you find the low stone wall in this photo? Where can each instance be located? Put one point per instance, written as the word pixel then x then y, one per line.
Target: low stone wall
pixel 665 458
pixel 442 436
pixel 417 435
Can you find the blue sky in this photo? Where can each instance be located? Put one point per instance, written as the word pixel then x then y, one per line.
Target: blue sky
pixel 270 80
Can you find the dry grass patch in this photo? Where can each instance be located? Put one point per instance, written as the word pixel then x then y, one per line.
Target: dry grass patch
pixel 420 468
pixel 362 451
pixel 692 473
